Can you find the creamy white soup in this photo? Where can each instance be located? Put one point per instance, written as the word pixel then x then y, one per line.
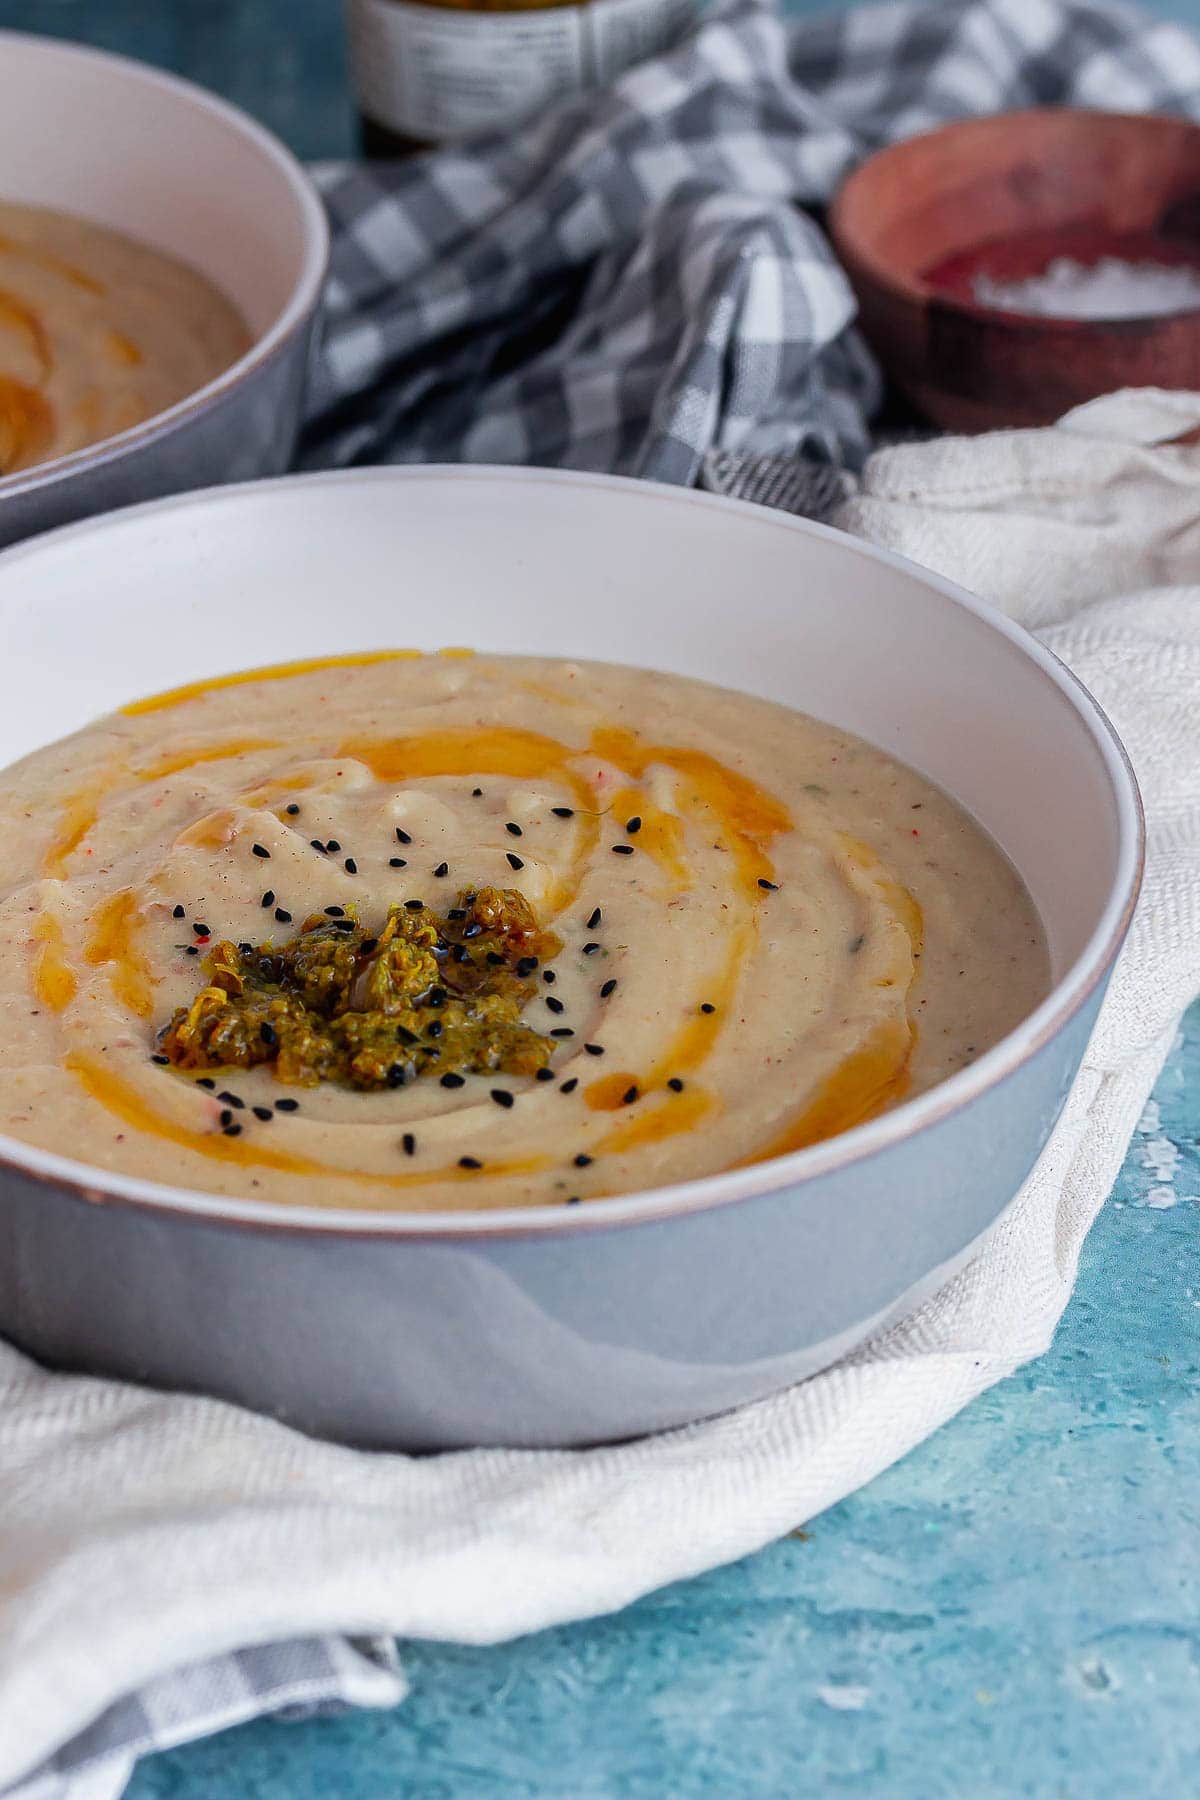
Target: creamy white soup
pixel 454 931
pixel 97 334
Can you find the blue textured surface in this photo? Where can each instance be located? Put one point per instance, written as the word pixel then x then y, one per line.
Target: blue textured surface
pixel 1013 1610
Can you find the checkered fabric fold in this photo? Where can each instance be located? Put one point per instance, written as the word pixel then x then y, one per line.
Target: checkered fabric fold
pixel 627 285
pixel 631 284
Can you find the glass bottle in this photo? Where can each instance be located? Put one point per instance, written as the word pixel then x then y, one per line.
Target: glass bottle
pixel 433 71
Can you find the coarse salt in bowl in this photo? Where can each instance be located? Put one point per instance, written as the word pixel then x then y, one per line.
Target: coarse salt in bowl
pixel 1008 269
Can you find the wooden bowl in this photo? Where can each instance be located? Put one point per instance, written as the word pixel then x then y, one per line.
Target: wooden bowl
pixel 1004 196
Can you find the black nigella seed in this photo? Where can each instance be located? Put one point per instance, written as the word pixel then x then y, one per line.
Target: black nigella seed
pixel 246 949
pixel 469 1162
pixel 572 1200
pixel 409 1142
pixel 268 898
pixel 622 849
pixel 549 977
pixel 526 965
pixel 514 862
pixel 595 919
pixel 451 1080
pixel 493 959
pixel 160 1059
pixel 260 850
pixel 368 946
pixel 594 1049
pixel 415 905
pixel 434 1029
pixel 316 844
pixel 344 925
pixel 333 845
pixel 436 997
pixel 512 828
pixel 292 809
pixel 262 1112
pixel 590 949
pixel 335 912
pixel 629 1096
pixel 351 867
pixel 232 1131
pixel 582 1160
pixel 544 1075
pixel 405 1036
pixel 268 1033
pixel 563 812
pixel 402 836
pixel 554 1004
pixel 397 862
pixel 177 912
pixel 190 950
pixel 675 1085
pixel 502 1097
pixel 396 1075
pixel 283 915
pixel 201 931
pixel 562 1031
pixel 477 793
pixel 706 1006
pixel 608 987
pixel 460 953
pixel 442 869
pixel 474 930
pixel 205 1081
pixel 457 912
pixel 771 887
pixel 287 1106
pixel 225 1117
pixel 230 1099
pixel 569 1085
pixel 634 825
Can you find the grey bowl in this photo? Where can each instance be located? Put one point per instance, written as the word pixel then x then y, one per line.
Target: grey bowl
pixel 556 1326
pixel 147 154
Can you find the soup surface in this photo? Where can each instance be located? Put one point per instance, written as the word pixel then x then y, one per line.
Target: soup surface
pixel 464 931
pixel 97 333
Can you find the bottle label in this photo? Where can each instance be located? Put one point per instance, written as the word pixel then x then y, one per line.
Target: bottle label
pixel 437 74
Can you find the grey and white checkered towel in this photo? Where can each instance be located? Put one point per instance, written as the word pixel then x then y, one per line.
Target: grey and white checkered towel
pixel 627 285
pixel 630 284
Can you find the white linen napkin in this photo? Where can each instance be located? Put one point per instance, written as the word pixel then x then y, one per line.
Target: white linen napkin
pixel 141 1532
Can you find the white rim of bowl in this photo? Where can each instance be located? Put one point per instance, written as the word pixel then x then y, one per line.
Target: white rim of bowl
pixel 299 306
pixel 679 1199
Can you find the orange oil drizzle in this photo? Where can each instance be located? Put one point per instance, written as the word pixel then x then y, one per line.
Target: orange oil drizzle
pixel 122 1099
pixel 81 810
pixel 876 1074
pixel 750 815
pixel 653 1124
pixel 113 941
pixel 54 981
pixel 508 751
pixel 78 815
pixel 311 665
pixel 26 423
pixel 660 834
pixel 18 317
pixel 122 349
pixel 178 760
pixel 863 1084
pixel 48 260
pixel 608 1094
